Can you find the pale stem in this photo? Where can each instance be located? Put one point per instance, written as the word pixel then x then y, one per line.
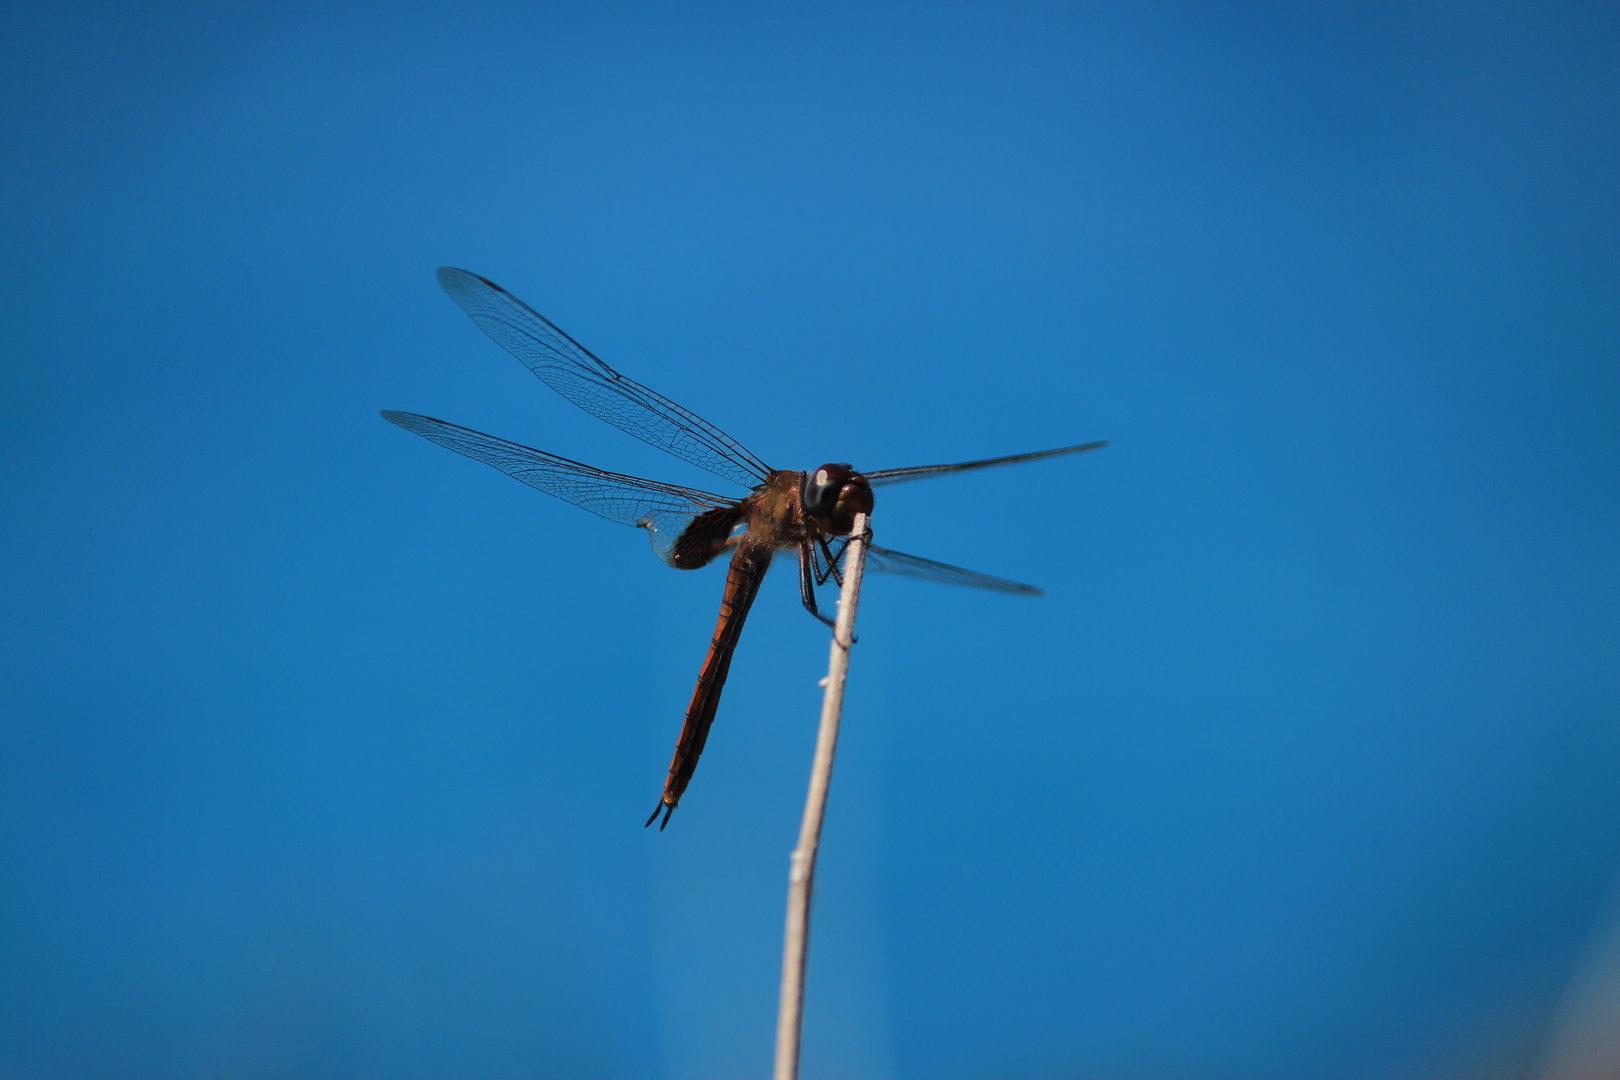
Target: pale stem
pixel 802 871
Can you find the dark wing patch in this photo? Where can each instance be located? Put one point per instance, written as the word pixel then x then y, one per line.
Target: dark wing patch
pixel 704 539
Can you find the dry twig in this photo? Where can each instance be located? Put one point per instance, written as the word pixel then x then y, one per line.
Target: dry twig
pixel 801 876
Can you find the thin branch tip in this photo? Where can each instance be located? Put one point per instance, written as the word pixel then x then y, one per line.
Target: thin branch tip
pixel 802 864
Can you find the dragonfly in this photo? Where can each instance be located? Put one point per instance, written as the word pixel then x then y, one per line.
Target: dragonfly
pixel 812 513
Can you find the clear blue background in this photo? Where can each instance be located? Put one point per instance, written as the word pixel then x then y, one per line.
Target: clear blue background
pixel 325 752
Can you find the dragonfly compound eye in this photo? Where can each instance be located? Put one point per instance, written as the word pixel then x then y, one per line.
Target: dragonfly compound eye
pixel 821 489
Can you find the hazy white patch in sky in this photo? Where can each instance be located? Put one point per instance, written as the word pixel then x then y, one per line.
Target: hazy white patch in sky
pixel 1583 1042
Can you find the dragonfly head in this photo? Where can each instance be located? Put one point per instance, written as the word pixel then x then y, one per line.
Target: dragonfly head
pixel 833 495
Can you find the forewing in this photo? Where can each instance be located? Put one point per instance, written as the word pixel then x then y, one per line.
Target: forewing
pixel 664 510
pixel 895 562
pixel 569 368
pixel 918 472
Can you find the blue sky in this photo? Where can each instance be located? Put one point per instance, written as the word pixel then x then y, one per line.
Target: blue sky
pixel 325 751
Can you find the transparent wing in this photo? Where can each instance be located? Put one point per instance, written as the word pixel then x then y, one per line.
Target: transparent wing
pixel 568 368
pixel 918 472
pixel 664 510
pixel 895 562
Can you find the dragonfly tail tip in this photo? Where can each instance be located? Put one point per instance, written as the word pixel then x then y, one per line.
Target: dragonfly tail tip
pixel 667 808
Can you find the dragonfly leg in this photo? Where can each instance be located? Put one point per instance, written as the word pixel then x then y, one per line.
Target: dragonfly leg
pixel 807 581
pixel 832 564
